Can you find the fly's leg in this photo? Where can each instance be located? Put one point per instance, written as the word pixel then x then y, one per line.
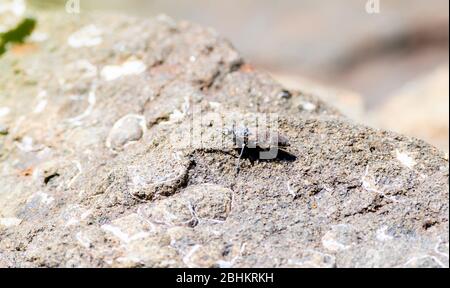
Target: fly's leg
pixel 239 158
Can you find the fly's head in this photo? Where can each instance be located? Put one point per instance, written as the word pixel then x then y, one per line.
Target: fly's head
pixel 253 138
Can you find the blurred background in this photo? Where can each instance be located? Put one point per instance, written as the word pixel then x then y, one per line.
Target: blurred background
pixel 383 63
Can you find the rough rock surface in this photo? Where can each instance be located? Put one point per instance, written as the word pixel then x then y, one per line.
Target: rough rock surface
pixel 95 172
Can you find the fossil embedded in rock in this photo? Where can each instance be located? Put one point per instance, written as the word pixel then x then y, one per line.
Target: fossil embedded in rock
pixel 127 129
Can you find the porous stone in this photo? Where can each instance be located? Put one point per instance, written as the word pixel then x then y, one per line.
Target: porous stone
pixel 121 171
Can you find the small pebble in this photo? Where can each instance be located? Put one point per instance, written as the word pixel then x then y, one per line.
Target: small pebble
pixel 308 106
pixel 127 129
pixel 131 67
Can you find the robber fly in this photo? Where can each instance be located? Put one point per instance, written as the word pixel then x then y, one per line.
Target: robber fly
pixel 265 145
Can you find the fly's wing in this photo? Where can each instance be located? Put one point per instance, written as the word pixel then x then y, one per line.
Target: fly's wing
pixel 282 141
pixel 267 140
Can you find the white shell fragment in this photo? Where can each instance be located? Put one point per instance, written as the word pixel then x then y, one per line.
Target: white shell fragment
pixel 405 159
pixel 42 102
pixel 92 99
pixel 130 67
pixel 44 198
pixel 88 36
pixel 38 37
pixel 9 221
pixel 26 144
pixel 128 228
pixel 16 7
pixel 308 106
pixel 4 111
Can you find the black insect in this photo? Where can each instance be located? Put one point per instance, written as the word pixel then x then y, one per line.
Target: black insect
pixel 259 146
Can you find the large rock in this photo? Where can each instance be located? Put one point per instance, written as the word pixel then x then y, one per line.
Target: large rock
pixel 101 163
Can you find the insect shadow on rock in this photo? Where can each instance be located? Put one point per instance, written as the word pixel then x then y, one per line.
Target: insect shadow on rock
pixel 256 146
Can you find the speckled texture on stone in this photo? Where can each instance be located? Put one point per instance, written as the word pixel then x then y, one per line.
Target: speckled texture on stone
pixel 82 187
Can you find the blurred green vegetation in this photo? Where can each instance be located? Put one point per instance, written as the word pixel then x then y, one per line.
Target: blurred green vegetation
pixel 17 34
